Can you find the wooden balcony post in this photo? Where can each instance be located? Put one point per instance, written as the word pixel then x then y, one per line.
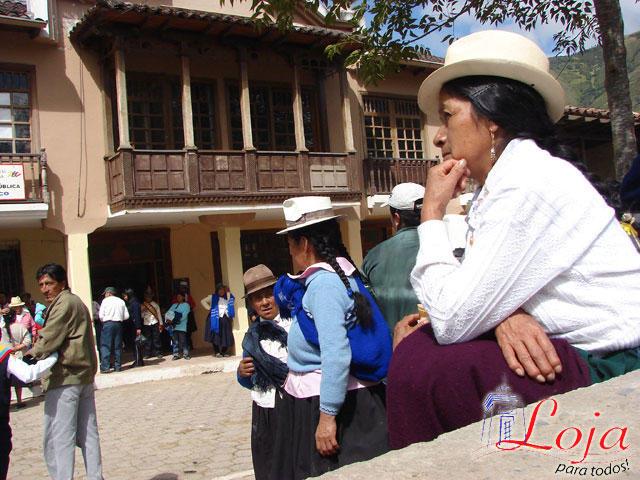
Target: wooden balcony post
pixel 121 99
pixel 44 186
pixel 347 124
pixel 245 100
pixel 187 112
pixel 298 123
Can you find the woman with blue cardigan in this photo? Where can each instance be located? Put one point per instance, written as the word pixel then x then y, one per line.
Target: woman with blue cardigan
pixel 331 411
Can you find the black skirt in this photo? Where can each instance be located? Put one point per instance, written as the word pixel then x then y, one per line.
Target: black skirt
pixel 263 435
pixel 224 337
pixel 362 433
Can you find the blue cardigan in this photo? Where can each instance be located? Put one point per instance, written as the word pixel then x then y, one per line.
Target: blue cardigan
pixel 327 302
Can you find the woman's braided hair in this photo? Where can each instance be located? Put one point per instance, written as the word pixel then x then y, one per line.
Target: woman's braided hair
pixel 326 239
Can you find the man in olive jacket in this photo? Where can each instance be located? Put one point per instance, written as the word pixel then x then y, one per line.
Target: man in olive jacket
pixel 69 405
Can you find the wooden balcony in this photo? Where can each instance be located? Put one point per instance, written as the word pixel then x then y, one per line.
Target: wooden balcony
pixel 34 169
pixel 382 174
pixel 144 178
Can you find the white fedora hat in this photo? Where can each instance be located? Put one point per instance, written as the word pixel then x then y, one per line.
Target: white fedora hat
pixel 497 53
pixel 301 212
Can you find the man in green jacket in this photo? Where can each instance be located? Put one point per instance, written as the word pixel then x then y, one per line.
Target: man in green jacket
pixel 387 267
pixel 69 405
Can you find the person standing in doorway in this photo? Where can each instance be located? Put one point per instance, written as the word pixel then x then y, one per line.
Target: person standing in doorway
pixel 179 335
pixel 183 288
pixel 69 404
pixel 221 313
pixel 113 311
pixel 135 313
pixel 153 325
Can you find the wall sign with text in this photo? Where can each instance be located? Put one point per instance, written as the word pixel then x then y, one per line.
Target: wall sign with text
pixel 12 182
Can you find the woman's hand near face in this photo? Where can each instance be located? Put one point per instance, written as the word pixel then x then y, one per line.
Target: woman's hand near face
pixel 326 442
pixel 444 182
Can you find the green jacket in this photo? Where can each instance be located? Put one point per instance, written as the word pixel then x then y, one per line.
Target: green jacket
pixel 68 331
pixel 386 271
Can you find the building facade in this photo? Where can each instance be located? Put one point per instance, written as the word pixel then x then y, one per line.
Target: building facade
pixel 157 143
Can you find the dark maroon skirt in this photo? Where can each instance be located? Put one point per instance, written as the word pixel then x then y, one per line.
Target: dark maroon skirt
pixel 433 389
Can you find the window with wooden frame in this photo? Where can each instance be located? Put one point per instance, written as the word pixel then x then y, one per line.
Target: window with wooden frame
pixel 272 123
pixel 155 113
pixel 15 110
pixel 393 128
pixel 203 108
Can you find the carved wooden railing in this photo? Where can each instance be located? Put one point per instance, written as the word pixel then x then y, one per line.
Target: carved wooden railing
pixel 35 174
pixel 145 178
pixel 382 174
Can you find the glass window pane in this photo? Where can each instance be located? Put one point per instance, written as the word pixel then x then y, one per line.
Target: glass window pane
pixel 21 99
pixel 5 114
pixel 157 136
pixel 23 147
pixel 6 147
pixel 5 98
pixel 20 114
pixel 139 137
pixel 139 122
pixel 155 108
pixel 6 131
pixel 22 131
pixel 156 122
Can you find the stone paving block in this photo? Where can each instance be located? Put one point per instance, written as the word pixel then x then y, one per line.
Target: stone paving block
pixel 183 430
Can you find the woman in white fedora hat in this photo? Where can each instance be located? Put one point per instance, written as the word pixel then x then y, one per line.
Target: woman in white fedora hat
pixel 545 257
pixel 331 412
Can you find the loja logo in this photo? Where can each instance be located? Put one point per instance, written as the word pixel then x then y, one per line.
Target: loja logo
pixel 505 428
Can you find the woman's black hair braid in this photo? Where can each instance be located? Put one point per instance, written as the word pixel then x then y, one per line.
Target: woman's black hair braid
pixel 325 238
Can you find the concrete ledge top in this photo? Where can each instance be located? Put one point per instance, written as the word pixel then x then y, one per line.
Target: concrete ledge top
pixel 582 418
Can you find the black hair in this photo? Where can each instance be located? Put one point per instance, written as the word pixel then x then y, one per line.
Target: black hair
pixel 515 107
pixel 130 294
pixel 409 218
pixel 326 239
pixel 55 271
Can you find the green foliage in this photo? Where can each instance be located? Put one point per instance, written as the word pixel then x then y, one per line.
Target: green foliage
pixel 394 29
pixel 582 75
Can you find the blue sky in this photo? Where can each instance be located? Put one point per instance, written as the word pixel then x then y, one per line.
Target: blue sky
pixel 543 35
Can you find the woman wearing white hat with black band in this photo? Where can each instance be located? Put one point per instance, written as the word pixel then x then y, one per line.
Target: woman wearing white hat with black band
pixel 543 250
pixel 331 412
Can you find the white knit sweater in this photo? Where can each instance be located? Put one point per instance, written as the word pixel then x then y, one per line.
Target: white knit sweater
pixel 541 238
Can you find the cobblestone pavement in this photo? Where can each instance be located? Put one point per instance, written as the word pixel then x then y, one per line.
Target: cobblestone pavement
pixel 192 428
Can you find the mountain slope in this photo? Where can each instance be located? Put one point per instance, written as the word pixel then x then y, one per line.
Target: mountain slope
pixel 582 76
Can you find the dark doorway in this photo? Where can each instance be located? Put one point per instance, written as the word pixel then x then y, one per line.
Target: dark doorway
pixel 374 232
pixel 264 246
pixel 132 258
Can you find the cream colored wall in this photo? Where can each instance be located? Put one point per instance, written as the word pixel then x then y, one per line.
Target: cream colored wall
pixel 37 247
pixel 239 7
pixel 65 81
pixel 191 257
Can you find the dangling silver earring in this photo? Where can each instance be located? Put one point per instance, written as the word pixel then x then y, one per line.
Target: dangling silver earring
pixel 493 149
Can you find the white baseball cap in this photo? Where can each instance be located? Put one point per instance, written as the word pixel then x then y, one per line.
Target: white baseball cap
pixel 404 196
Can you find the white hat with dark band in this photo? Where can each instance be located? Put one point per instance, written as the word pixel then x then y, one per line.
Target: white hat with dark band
pixel 300 212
